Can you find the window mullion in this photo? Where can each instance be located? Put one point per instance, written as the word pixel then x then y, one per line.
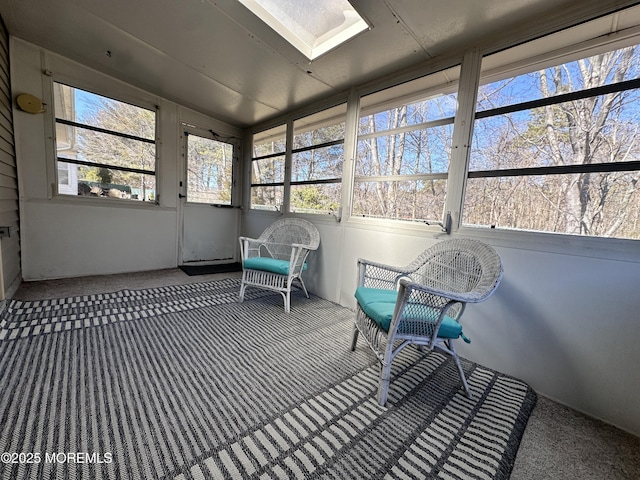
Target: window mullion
pixel 401 178
pixel 288 155
pixel 115 133
pixel 462 133
pixel 106 165
pixel 350 147
pixel 408 128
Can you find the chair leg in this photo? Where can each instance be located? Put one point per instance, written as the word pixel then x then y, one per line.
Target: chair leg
pixel 304 288
pixel 454 354
pixel 383 387
pixel 287 301
pixel 241 296
pixel 355 338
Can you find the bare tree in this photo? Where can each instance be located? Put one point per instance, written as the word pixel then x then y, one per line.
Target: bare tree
pixel 598 129
pixel 107 149
pixel 593 129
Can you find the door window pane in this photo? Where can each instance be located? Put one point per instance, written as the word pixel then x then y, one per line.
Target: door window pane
pixel 209 170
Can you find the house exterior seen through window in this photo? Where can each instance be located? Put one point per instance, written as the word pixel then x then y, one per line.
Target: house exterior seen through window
pixel 104 148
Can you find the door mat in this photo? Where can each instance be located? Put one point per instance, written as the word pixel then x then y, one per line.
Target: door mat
pixel 192 270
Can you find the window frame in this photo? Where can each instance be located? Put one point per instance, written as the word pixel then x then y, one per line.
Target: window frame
pixel 329 121
pixel 99 91
pixel 566 169
pixel 191 130
pixel 425 95
pixel 283 154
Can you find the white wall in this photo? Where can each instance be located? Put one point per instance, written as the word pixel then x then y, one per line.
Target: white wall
pixel 567 323
pixel 62 240
pixel 67 236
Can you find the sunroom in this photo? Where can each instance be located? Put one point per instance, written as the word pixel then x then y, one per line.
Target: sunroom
pixel 140 138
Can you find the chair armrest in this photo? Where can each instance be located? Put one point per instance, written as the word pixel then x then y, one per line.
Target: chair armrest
pixel 295 253
pixel 247 239
pixel 378 275
pixel 455 296
pixel 306 247
pixel 420 311
pixel 249 247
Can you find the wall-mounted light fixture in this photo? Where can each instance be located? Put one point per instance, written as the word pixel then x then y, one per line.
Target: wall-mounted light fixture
pixel 30 103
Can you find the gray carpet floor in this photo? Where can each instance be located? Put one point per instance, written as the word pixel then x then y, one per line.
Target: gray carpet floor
pixel 559 443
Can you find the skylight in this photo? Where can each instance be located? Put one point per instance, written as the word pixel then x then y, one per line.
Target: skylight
pixel 312 26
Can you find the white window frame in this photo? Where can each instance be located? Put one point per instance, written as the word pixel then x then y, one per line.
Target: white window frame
pixel 435 86
pixel 280 207
pixel 99 89
pixel 331 121
pixel 192 130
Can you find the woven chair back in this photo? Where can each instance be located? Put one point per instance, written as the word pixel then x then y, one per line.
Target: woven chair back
pixel 281 234
pixel 460 266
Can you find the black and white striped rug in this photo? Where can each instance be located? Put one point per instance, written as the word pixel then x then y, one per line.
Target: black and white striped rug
pixel 184 383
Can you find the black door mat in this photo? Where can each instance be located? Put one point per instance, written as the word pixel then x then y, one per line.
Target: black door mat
pixel 192 270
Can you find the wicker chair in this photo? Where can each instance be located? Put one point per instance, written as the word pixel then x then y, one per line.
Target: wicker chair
pixel 421 303
pixel 278 257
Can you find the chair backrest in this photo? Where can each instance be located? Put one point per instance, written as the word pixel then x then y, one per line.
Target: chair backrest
pixel 459 265
pixel 287 231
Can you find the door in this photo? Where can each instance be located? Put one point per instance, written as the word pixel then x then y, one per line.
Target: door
pixel 210 222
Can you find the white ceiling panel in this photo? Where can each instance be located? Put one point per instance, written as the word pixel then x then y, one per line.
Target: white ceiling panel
pixel 441 26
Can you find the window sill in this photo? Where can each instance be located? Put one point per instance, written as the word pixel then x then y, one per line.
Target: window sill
pixel 617 249
pixel 96 202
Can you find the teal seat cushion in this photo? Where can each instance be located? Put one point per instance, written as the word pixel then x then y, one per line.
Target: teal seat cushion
pixel 268 264
pixel 366 295
pixel 379 305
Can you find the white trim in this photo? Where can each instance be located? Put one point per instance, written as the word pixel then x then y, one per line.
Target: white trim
pixel 616 249
pixel 462 134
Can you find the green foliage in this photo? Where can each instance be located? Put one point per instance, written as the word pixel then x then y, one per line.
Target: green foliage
pixel 105 176
pixel 312 197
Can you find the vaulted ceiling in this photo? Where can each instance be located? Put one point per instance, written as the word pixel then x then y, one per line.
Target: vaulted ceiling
pixel 216 57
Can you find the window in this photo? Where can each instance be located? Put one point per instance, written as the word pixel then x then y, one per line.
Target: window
pixel 403 150
pixel 316 161
pixel 104 148
pixel 267 169
pixel 557 149
pixel 209 170
pixel 313 28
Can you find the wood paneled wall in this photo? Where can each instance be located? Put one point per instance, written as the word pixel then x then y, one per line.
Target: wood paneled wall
pixel 9 208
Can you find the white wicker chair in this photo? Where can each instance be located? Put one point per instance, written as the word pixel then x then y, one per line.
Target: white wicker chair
pixel 421 303
pixel 278 257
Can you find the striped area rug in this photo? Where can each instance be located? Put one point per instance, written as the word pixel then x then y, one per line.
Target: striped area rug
pixel 185 383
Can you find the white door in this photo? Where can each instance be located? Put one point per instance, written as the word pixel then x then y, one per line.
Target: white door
pixel 210 222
